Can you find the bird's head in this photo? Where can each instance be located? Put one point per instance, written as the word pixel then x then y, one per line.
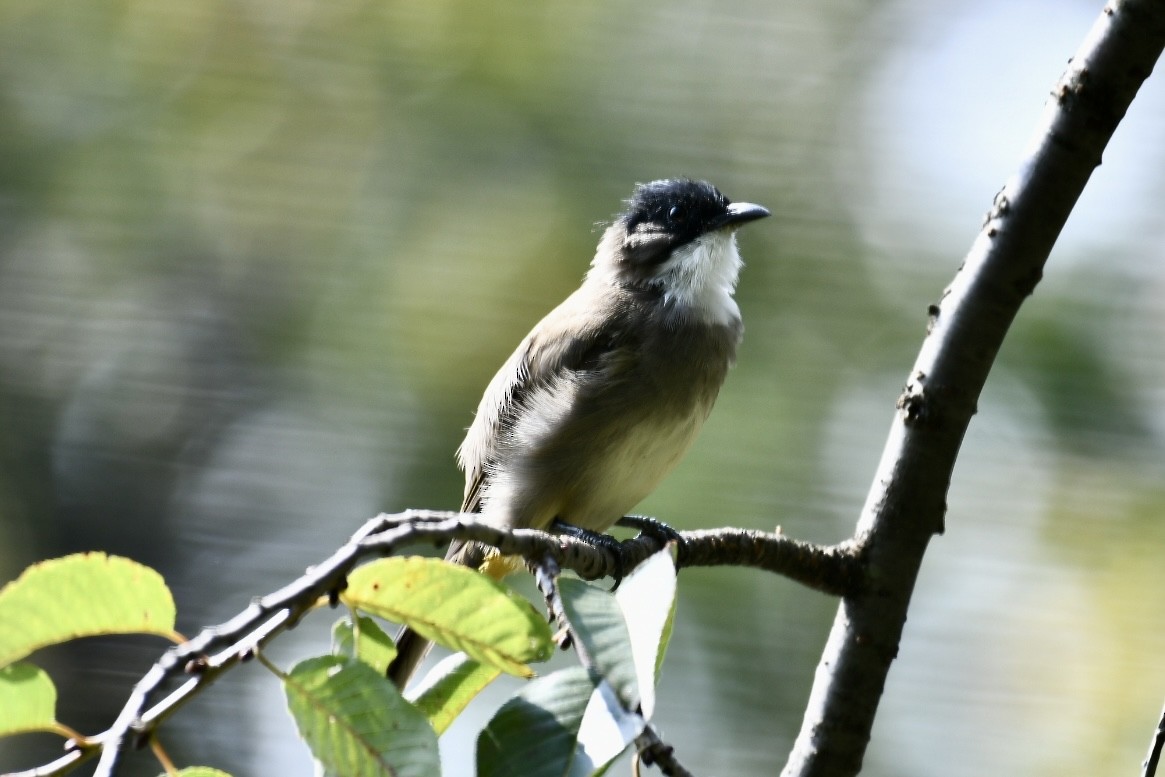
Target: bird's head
pixel 677 236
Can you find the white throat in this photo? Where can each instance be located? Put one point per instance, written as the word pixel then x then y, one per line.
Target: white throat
pixel 701 276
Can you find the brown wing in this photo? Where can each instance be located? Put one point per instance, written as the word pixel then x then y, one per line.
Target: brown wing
pixel 585 334
pixel 579 336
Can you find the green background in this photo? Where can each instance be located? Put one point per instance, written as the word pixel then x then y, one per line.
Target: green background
pixel 259 259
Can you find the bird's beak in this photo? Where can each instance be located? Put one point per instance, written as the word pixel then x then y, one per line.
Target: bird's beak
pixel 743 212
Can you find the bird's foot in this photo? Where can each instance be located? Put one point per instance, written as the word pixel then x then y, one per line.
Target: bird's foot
pixel 596 539
pixel 545 575
pixel 652 527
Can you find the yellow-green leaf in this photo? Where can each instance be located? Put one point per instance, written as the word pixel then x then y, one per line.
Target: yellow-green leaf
pixel 198 771
pixel 367 642
pixel 449 687
pixel 357 723
pixel 82 595
pixel 455 606
pixel 28 700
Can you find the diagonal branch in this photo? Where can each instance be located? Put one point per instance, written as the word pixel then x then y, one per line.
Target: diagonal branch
pixel 1149 768
pixel 906 503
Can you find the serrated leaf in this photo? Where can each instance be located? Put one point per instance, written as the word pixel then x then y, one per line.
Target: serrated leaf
pixel 28 700
pixel 597 621
pixel 356 723
pixel 455 606
pixel 534 733
pixel 82 595
pixel 197 771
pixel 367 642
pixel 449 687
pixel 606 730
pixel 647 598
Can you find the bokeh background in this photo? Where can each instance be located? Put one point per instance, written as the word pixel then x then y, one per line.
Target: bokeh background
pixel 258 260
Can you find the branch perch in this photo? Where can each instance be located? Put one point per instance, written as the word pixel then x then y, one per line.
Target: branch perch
pixel 215 650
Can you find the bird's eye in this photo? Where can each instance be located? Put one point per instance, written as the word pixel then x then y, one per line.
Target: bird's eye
pixel 672 212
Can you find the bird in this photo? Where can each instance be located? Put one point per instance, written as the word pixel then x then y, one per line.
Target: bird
pixel 605 395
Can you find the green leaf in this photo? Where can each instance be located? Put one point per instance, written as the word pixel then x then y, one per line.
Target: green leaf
pixel 533 734
pixel 28 700
pixel 597 621
pixel 647 598
pixel 367 642
pixel 356 723
pixel 198 771
pixel 449 687
pixel 455 606
pixel 82 595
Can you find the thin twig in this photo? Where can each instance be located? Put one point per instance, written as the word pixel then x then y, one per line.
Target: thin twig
pixel 654 751
pixel 66 763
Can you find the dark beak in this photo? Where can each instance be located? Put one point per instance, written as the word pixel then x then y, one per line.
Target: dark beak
pixel 742 213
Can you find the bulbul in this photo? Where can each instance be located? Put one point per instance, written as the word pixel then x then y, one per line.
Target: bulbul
pixel 606 394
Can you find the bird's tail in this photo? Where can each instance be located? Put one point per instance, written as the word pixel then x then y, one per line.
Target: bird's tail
pixel 411 649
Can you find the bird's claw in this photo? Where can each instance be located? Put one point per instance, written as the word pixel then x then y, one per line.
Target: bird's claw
pixel 598 540
pixel 652 527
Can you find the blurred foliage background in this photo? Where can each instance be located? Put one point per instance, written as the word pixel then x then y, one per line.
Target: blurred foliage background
pixel 259 259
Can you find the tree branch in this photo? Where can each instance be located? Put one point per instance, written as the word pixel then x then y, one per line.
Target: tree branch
pixel 217 649
pixel 831 569
pixel 906 503
pixel 1155 745
pixel 653 751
